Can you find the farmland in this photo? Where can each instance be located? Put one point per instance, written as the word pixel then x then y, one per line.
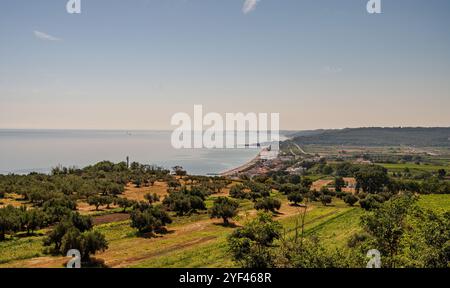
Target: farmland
pixel 197 241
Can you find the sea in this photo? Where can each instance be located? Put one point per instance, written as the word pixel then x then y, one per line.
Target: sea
pixel 25 151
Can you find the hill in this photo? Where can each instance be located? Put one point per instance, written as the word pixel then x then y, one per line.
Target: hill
pixel 378 136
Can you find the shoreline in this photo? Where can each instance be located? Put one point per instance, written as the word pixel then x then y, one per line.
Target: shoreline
pixel 243 167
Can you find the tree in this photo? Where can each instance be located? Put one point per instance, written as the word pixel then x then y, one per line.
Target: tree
pixel 137 182
pixel 295 179
pixel 268 204
pixel 339 183
pixel 288 188
pixel 68 234
pixel 372 178
pixel 257 190
pixel 32 219
pixel 151 198
pixel 326 199
pixel 327 170
pixel 58 208
pixel 350 199
pixel 442 173
pixel 370 202
pixel 88 243
pixel 185 201
pixel 325 191
pixel 124 203
pixel 429 239
pixel 295 197
pixel 95 201
pixel 224 208
pixel 218 184
pixel 107 200
pixel 252 245
pixel 149 219
pixel 178 202
pixel 306 182
pixel 98 201
pixel 9 221
pixel 387 225
pixel 311 253
pixel 179 171
pixel 92 242
pixel 237 191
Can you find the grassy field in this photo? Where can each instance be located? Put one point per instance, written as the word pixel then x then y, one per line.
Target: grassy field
pixel 413 166
pixel 197 241
pixel 435 202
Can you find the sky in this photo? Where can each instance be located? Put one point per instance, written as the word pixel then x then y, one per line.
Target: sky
pixel 133 64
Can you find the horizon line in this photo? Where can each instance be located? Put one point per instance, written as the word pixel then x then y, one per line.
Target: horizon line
pixel 166 130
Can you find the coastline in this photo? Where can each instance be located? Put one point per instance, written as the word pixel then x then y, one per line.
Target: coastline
pixel 242 167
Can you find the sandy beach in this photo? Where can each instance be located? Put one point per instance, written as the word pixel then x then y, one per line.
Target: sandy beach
pixel 243 167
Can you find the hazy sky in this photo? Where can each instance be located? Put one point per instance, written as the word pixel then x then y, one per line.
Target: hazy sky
pixel 133 64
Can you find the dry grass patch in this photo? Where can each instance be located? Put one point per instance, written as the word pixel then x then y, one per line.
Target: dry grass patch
pixel 12 199
pixel 137 194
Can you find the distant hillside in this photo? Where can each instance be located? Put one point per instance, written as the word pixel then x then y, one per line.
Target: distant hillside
pixel 378 137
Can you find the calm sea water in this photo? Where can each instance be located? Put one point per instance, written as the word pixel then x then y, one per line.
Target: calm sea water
pixel 24 151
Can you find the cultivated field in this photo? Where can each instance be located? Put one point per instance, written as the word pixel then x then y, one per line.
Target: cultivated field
pixel 196 241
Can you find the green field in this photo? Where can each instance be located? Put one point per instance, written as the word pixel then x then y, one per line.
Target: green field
pixel 412 166
pixel 197 242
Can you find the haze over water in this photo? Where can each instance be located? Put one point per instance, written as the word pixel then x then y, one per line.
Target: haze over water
pixel 24 151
